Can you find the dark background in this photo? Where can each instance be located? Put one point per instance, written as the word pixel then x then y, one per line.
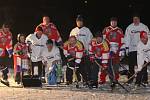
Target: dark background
pixel 25 15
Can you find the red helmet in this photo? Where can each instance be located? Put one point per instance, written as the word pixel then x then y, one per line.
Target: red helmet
pixel 143 34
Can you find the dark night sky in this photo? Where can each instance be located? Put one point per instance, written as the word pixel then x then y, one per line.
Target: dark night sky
pixel 24 15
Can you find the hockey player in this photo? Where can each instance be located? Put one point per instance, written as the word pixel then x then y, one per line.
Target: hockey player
pixel 73 50
pixel 21 63
pixel 84 35
pixel 5 44
pixel 132 37
pixel 99 51
pixel 143 57
pixel 51 31
pixel 36 42
pixel 52 61
pixel 115 37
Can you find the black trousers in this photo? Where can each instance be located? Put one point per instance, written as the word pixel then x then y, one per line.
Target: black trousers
pixel 4 73
pixel 142 76
pixel 132 64
pixel 93 72
pixel 69 72
pixel 40 67
pixel 85 68
pixel 4 63
pixel 69 75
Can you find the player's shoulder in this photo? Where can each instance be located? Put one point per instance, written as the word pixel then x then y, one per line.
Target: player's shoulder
pixel 107 28
pixel 85 28
pixel 130 26
pixel 44 36
pixel 120 30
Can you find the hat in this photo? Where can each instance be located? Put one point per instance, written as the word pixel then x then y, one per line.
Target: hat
pixel 39 28
pixel 98 34
pixel 135 15
pixel 79 18
pixel 49 41
pixel 143 34
pixel 19 35
pixel 113 19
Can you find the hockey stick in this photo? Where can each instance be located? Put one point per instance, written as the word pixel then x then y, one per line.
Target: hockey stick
pixel 5 83
pixel 133 76
pixel 113 78
pixel 125 69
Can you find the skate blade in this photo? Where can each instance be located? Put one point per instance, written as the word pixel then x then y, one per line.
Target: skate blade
pixel 5 83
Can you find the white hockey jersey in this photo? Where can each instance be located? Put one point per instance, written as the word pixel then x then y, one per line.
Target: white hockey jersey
pixel 51 56
pixel 143 54
pixel 37 46
pixel 82 34
pixel 132 35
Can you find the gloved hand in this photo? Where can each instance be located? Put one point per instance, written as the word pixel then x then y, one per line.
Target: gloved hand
pixel 10 56
pixel 77 65
pixel 104 66
pixel 69 58
pixel 127 51
pixel 138 69
pixel 20 52
pixel 92 58
pixel 122 53
pixel 111 53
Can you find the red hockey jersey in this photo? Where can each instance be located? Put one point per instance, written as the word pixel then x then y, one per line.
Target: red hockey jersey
pixel 115 38
pixel 75 51
pixel 51 31
pixel 5 43
pixel 100 50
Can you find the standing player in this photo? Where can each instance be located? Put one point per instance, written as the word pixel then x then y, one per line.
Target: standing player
pixel 51 31
pixel 115 37
pixel 37 42
pixel 21 63
pixel 132 37
pixel 5 44
pixel 84 35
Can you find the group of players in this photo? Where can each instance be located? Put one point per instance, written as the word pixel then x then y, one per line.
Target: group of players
pixel 92 58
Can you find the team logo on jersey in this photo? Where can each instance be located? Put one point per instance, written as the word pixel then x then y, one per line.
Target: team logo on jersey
pixel 81 35
pixel 98 49
pixel 113 35
pixel 135 31
pixel 71 52
pixel 50 57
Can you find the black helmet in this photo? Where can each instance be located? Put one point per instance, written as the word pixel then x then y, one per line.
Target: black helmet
pixel 79 18
pixel 99 34
pixel 18 37
pixel 49 41
pixel 113 19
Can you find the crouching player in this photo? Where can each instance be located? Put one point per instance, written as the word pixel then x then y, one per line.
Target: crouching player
pixel 99 55
pixel 52 61
pixel 143 57
pixel 21 59
pixel 73 51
